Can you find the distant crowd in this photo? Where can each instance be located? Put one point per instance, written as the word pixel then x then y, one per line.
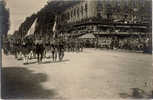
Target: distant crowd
pixel 29 49
pixel 143 44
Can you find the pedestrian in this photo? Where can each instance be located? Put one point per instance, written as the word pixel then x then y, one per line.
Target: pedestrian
pixel 39 52
pixel 61 51
pixel 152 93
pixel 54 52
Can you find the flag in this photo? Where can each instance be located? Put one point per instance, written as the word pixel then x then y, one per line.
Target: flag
pixel 32 28
pixel 54 29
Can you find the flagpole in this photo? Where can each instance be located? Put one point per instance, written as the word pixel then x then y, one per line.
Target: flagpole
pixel 54 30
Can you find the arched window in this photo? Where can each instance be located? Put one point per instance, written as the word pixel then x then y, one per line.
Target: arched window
pixel 78 12
pixel 86 7
pixel 82 10
pixel 74 11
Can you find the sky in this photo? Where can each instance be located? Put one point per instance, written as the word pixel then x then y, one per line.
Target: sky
pixel 20 9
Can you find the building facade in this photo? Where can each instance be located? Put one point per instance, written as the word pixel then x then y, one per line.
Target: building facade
pixel 100 15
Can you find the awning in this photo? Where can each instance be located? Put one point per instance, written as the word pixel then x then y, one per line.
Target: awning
pixel 101 32
pixel 87 36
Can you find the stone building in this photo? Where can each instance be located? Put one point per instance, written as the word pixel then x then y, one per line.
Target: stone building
pixel 105 15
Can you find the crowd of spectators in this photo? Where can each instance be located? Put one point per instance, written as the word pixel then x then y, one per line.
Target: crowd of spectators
pixel 128 43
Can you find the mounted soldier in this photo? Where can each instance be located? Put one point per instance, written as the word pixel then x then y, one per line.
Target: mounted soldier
pixel 25 51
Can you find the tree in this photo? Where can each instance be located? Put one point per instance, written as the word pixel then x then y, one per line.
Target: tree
pixel 4 19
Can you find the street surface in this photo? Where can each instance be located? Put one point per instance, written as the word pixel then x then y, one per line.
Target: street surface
pixel 92 74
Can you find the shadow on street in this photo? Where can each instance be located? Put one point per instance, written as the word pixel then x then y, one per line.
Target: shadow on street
pixel 21 83
pixel 136 94
pixel 48 62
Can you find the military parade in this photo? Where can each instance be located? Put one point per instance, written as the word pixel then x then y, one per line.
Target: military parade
pixel 78 49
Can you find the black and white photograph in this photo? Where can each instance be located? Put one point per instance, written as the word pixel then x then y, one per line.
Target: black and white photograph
pixel 76 49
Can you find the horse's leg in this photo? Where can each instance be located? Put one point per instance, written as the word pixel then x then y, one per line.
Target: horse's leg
pixel 24 59
pixel 29 57
pixel 53 56
pixel 38 57
pixel 20 55
pixel 41 56
pixel 34 54
pixel 29 54
pixel 62 55
pixel 17 55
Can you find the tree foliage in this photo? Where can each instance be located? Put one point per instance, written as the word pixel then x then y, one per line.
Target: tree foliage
pixel 4 18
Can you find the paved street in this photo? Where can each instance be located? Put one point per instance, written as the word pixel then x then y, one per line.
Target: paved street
pixel 91 74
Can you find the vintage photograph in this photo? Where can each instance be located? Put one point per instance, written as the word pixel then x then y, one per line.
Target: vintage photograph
pixel 76 49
